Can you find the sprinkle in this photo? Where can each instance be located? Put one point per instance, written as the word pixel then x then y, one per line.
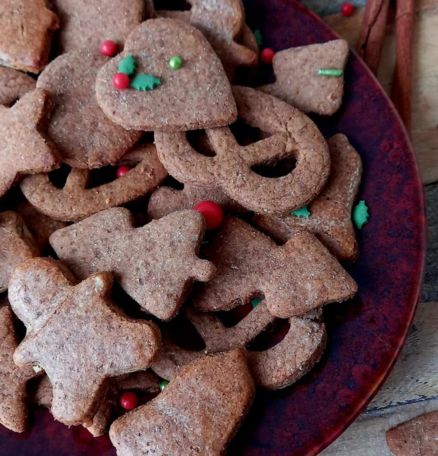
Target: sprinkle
pixel 360 214
pixel 163 384
pixel 258 37
pixel 127 65
pixel 331 72
pixel 144 82
pixel 175 62
pixel 267 55
pixel 301 213
pixel 255 302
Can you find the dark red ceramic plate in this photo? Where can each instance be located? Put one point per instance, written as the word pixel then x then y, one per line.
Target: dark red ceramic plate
pixel 366 335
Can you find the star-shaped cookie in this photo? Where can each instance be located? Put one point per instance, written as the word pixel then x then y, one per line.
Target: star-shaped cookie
pixel 23 150
pixel 13 379
pixel 76 335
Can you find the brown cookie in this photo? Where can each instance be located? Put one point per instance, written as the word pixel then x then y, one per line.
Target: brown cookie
pixel 85 137
pixel 39 225
pixel 295 278
pixel 13 85
pixel 416 437
pixel 221 21
pixel 76 201
pixel 13 379
pixel 16 245
pixel 76 335
pixel 166 200
pixel 330 213
pixel 26 28
pixel 198 413
pixel 298 78
pixel 87 24
pixel 276 367
pixel 23 150
pixel 291 136
pixel 198 95
pixel 155 264
pixel 144 381
pixel 248 39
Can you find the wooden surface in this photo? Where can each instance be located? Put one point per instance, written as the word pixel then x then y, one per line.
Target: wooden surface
pixel 412 387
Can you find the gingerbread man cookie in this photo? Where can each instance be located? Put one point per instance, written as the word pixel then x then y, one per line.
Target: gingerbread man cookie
pixel 293 136
pixel 76 201
pixel 329 215
pixel 295 278
pixel 177 81
pixel 155 264
pixel 76 335
pixel 23 150
pixel 198 413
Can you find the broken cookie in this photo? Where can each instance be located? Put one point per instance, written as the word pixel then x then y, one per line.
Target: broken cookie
pixel 98 342
pixel 197 413
pixel 155 264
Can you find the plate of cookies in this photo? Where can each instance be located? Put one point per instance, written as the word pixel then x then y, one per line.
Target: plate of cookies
pixel 212 229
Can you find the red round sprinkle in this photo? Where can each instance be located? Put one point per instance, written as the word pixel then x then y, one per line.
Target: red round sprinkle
pixel 129 400
pixel 121 81
pixel 267 55
pixel 108 48
pixel 212 213
pixel 122 170
pixel 347 9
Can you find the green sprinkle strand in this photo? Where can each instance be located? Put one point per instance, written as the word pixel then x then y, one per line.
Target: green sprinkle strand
pixel 255 302
pixel 331 72
pixel 301 213
pixel 360 214
pixel 258 36
pixel 163 384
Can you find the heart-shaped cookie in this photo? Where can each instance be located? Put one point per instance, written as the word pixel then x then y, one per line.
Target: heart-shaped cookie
pixel 197 95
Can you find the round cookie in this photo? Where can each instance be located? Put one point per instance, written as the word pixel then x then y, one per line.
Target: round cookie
pixel 197 95
pixel 85 137
pixel 13 85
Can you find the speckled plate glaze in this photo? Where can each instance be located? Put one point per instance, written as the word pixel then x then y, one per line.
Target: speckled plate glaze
pixel 366 335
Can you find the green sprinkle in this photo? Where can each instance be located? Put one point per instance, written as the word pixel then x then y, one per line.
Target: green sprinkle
pixel 331 72
pixel 360 214
pixel 163 384
pixel 175 62
pixel 255 302
pixel 143 81
pixel 301 213
pixel 258 36
pixel 127 65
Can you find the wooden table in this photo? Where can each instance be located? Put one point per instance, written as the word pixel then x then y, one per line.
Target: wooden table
pixel 412 387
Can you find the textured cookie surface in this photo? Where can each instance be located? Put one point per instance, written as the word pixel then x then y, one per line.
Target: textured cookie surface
pixel 298 81
pixel 288 136
pixel 23 150
pixel 17 245
pixel 417 437
pixel 197 413
pixel 155 264
pixel 97 343
pixel 76 201
pixel 294 278
pixel 13 379
pixel 13 85
pixel 29 49
pixel 198 95
pixel 330 213
pixel 85 137
pixel 87 24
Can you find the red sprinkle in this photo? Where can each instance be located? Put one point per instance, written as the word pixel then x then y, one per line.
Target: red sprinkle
pixel 129 400
pixel 347 9
pixel 108 48
pixel 267 55
pixel 122 170
pixel 121 81
pixel 212 213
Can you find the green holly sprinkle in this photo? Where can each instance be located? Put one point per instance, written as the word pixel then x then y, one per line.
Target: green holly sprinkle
pixel 360 214
pixel 127 65
pixel 258 37
pixel 163 384
pixel 175 62
pixel 143 82
pixel 301 213
pixel 255 302
pixel 331 72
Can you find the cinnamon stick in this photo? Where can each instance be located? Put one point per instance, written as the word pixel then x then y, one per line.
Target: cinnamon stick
pixel 372 35
pixel 401 92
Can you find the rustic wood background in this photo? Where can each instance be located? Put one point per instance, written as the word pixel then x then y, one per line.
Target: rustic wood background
pixel 412 387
